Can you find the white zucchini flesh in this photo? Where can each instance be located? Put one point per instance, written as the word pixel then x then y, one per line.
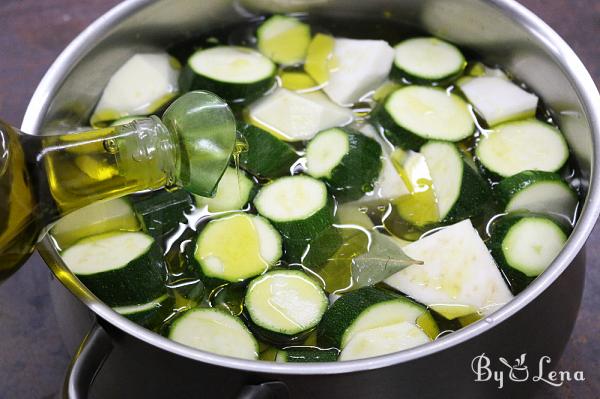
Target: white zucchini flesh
pixel 446 169
pixel 362 66
pixel 133 309
pixel 214 331
pixel 325 152
pixel 532 244
pixel 381 315
pixel 428 58
pixel 499 100
pixel 232 193
pixel 139 87
pixel 237 247
pixel 384 340
pixel 108 252
pixel 458 277
pixel 545 197
pixel 285 301
pixel 97 218
pixel 430 113
pixel 296 117
pixel 232 64
pixel 515 147
pixel 291 198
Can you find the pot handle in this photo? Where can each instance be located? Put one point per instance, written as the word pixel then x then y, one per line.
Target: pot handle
pixel 86 363
pixel 266 390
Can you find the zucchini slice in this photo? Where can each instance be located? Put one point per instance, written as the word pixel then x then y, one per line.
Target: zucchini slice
pixel 538 191
pixel 234 73
pixel 515 147
pixel 347 160
pixel 361 66
pixel 366 309
pixel 233 192
pixel 383 340
pixel 237 247
pixel 298 206
pixel 161 212
pixel 216 331
pixel 525 246
pixel 460 191
pixel 266 156
pixel 414 114
pixel 498 100
pixel 284 39
pixel 120 268
pixel 458 277
pixel 141 86
pixel 286 302
pixel 306 354
pixel 296 117
pixel 97 218
pixel 151 314
pixel 427 60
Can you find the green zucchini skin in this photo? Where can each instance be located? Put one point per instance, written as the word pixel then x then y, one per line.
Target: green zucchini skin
pixel 276 339
pixel 141 281
pixel 475 195
pixel 307 354
pixel 396 134
pixel 153 318
pixel 161 212
pixel 518 280
pixel 267 156
pixel 321 249
pixel 358 170
pixel 344 311
pixel 310 227
pixel 401 76
pixel 190 80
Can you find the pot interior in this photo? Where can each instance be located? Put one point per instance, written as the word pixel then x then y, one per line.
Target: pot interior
pixel 500 33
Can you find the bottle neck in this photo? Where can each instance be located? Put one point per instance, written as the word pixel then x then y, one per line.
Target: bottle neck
pixel 90 166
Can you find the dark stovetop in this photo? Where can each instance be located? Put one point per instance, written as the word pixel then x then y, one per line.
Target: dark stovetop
pixel 32 356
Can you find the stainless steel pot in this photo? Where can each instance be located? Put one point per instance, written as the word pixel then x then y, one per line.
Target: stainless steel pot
pixel 537 322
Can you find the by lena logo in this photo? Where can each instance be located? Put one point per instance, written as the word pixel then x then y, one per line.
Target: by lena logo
pixel 518 371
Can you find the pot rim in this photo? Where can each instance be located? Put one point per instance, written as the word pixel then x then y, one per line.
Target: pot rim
pixel 562 55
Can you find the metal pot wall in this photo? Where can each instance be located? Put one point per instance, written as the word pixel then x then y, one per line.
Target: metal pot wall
pixel 537 322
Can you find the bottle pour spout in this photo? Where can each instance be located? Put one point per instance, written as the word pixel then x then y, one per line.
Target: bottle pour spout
pixel 205 129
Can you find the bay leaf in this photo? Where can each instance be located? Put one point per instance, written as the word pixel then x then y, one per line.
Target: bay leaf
pixel 383 258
